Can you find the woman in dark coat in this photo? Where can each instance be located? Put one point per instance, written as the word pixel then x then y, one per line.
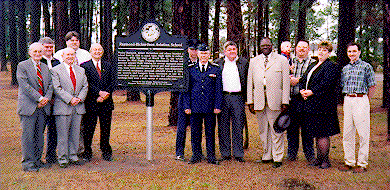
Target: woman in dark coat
pixel 319 90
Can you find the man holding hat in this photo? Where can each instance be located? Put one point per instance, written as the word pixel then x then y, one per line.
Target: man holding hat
pixel 203 100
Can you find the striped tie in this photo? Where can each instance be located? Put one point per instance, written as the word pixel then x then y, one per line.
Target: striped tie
pixel 40 79
pixel 98 70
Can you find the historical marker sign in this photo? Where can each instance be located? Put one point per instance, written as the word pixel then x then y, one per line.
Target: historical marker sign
pixel 151 59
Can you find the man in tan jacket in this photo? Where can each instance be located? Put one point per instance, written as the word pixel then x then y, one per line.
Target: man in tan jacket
pixel 268 95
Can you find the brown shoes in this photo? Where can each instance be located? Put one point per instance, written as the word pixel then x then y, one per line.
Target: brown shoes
pixel 345 168
pixel 359 169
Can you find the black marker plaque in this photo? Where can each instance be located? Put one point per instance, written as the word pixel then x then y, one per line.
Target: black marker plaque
pixel 151 59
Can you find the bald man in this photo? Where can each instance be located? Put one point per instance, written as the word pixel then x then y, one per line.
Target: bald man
pixel 101 76
pixel 70 87
pixel 35 91
pixel 285 49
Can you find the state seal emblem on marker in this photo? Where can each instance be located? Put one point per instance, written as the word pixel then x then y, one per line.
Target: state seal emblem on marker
pixel 150 32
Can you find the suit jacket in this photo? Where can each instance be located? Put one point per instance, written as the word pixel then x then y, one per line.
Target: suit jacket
pixel 28 95
pixel 107 83
pixel 242 66
pixel 64 90
pixel 205 89
pixel 324 82
pixel 54 62
pixel 277 81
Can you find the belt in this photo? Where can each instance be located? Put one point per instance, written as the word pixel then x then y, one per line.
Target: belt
pixel 232 93
pixel 355 95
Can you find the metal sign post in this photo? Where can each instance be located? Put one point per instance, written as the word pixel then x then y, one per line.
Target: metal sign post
pixel 149 124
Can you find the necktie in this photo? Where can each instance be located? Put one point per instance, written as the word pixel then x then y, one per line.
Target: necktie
pixel 98 70
pixel 72 77
pixel 40 79
pixel 203 68
pixel 266 61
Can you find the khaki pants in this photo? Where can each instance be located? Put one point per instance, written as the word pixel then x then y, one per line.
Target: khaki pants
pixel 356 118
pixel 273 143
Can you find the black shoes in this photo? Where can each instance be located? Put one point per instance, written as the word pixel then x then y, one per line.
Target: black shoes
pixel 277 164
pixel 63 165
pixel 225 158
pixel 77 163
pixel 213 162
pixel 240 159
pixel 194 161
pixel 264 161
pixel 31 169
pixel 180 158
pixel 107 157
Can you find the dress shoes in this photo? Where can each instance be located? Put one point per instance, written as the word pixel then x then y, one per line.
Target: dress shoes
pixel 213 162
pixel 77 163
pixel 315 163
pixel 325 165
pixel 264 161
pixel 63 165
pixel 277 164
pixel 31 169
pixel 239 159
pixel 225 158
pixel 194 161
pixel 41 164
pixel 345 168
pixel 359 169
pixel 107 157
pixel 180 158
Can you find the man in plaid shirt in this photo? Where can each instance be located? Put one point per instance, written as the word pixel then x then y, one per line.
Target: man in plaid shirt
pixel 300 63
pixel 358 83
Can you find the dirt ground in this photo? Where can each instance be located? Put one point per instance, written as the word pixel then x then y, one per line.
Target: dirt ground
pixel 131 170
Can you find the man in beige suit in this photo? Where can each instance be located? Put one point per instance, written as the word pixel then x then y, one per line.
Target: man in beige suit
pixel 268 95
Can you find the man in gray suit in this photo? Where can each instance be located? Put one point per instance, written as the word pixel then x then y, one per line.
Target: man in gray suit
pixel 35 91
pixel 70 87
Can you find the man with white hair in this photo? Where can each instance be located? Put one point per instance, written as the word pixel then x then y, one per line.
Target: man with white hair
pixel 70 87
pixel 285 49
pixel 35 91
pixel 101 76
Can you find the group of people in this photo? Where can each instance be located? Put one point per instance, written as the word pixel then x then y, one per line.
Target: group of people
pixel 66 92
pixel 271 84
pixel 69 90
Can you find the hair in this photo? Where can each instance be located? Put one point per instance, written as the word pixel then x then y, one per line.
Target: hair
pixel 71 34
pixel 304 41
pixel 354 44
pixel 229 43
pixel 46 40
pixel 34 44
pixel 95 44
pixel 325 44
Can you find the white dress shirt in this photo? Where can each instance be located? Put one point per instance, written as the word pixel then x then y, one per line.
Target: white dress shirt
pixel 205 68
pixel 231 76
pixel 48 61
pixel 82 56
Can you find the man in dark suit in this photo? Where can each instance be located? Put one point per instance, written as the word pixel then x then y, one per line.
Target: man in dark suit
pixel 35 91
pixel 102 80
pixel 183 119
pixel 234 80
pixel 203 100
pixel 51 139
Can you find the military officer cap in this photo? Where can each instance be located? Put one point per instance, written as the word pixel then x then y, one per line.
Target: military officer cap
pixel 193 43
pixel 203 47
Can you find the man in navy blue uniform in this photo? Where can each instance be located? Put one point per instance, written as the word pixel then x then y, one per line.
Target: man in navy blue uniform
pixel 183 119
pixel 203 101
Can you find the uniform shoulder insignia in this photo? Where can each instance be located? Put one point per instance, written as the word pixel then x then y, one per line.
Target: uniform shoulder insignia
pixel 214 64
pixel 191 64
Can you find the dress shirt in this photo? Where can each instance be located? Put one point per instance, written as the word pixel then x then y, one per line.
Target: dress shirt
pixel 201 66
pixel 230 76
pixel 298 71
pixel 357 77
pixel 48 61
pixel 99 63
pixel 67 68
pixel 82 55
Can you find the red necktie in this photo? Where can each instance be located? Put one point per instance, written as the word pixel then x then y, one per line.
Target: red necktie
pixel 72 77
pixel 40 79
pixel 98 70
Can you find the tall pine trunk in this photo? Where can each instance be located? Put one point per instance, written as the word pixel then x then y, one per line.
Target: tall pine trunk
pixel 284 29
pixel 346 32
pixel 3 45
pixel 61 23
pixel 260 24
pixel 216 29
pixel 13 41
pixel 386 62
pixel 35 25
